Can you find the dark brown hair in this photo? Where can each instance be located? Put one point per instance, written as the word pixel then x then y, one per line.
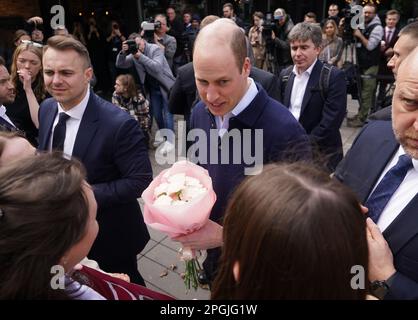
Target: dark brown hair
pixel 296 233
pixel 45 213
pixel 393 12
pixel 63 43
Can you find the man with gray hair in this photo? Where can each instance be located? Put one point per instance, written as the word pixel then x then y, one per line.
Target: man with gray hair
pixel 315 93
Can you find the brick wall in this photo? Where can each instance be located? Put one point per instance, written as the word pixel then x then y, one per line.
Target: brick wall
pixel 19 8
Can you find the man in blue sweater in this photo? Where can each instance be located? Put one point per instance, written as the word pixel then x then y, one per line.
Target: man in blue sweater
pixel 233 105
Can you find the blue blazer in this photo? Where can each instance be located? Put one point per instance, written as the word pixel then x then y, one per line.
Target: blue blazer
pixel 283 140
pixel 322 119
pixel 360 170
pixel 111 146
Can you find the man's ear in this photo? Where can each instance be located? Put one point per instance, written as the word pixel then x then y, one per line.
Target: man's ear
pixel 235 271
pixel 88 74
pixel 246 68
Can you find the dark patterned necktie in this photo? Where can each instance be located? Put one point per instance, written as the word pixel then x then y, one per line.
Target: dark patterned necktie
pixel 387 187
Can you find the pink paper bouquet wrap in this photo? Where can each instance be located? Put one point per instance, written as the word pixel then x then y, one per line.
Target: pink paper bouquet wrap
pixel 185 218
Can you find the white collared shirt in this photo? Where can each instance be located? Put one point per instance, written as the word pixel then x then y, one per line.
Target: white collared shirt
pixel 222 123
pixel 4 115
pixel 298 90
pixel 72 125
pixel 402 196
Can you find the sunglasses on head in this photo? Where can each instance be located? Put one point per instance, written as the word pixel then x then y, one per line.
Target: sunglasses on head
pixel 35 44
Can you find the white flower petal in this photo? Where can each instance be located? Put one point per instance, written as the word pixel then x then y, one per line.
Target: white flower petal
pixel 179 178
pixel 163 201
pixel 161 189
pixel 190 181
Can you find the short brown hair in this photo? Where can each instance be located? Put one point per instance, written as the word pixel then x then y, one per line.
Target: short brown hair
pixel 229 5
pixel 2 62
pixel 208 20
pixel 393 12
pixel 63 43
pixel 410 30
pixel 236 39
pixel 295 233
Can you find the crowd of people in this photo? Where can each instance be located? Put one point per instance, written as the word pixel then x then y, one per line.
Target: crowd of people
pixel 80 162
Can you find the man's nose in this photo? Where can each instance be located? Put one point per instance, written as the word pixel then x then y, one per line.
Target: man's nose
pixel 10 85
pixel 211 94
pixel 391 62
pixel 56 78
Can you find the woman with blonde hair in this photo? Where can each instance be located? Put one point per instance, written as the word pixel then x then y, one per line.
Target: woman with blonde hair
pixel 26 74
pixel 332 45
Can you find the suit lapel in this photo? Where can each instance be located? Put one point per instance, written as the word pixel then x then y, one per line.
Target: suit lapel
pixel 288 91
pixel 49 121
pixel 403 228
pixel 7 125
pixel 382 154
pixel 313 84
pixel 88 127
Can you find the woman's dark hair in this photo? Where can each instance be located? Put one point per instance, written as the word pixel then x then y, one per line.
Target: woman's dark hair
pixel 44 212
pixel 296 233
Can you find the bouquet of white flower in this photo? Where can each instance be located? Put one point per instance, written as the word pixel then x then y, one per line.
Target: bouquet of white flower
pixel 178 202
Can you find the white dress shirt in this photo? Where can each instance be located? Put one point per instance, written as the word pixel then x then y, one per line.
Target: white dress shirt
pixel 4 115
pixel 402 196
pixel 298 90
pixel 222 123
pixel 72 125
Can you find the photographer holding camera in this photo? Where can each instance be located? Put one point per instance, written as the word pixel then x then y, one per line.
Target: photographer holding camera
pixel 155 76
pixel 368 55
pixel 276 34
pixel 165 41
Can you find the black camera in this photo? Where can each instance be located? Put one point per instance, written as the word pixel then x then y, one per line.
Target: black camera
pixel 133 46
pixel 268 26
pixel 348 36
pixel 149 29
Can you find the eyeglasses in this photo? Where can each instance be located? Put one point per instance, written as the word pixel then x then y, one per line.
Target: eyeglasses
pixel 35 44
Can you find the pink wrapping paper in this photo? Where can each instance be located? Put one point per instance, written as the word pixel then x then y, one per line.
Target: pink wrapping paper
pixel 183 219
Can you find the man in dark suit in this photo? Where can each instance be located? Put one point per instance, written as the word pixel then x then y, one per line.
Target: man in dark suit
pixel 319 110
pixel 385 75
pixel 7 95
pixel 382 168
pixel 407 41
pixel 109 143
pixel 233 104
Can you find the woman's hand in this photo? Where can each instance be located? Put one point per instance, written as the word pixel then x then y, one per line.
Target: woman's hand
pixel 25 77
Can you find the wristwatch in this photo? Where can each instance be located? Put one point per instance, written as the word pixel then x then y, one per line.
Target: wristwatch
pixel 379 289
